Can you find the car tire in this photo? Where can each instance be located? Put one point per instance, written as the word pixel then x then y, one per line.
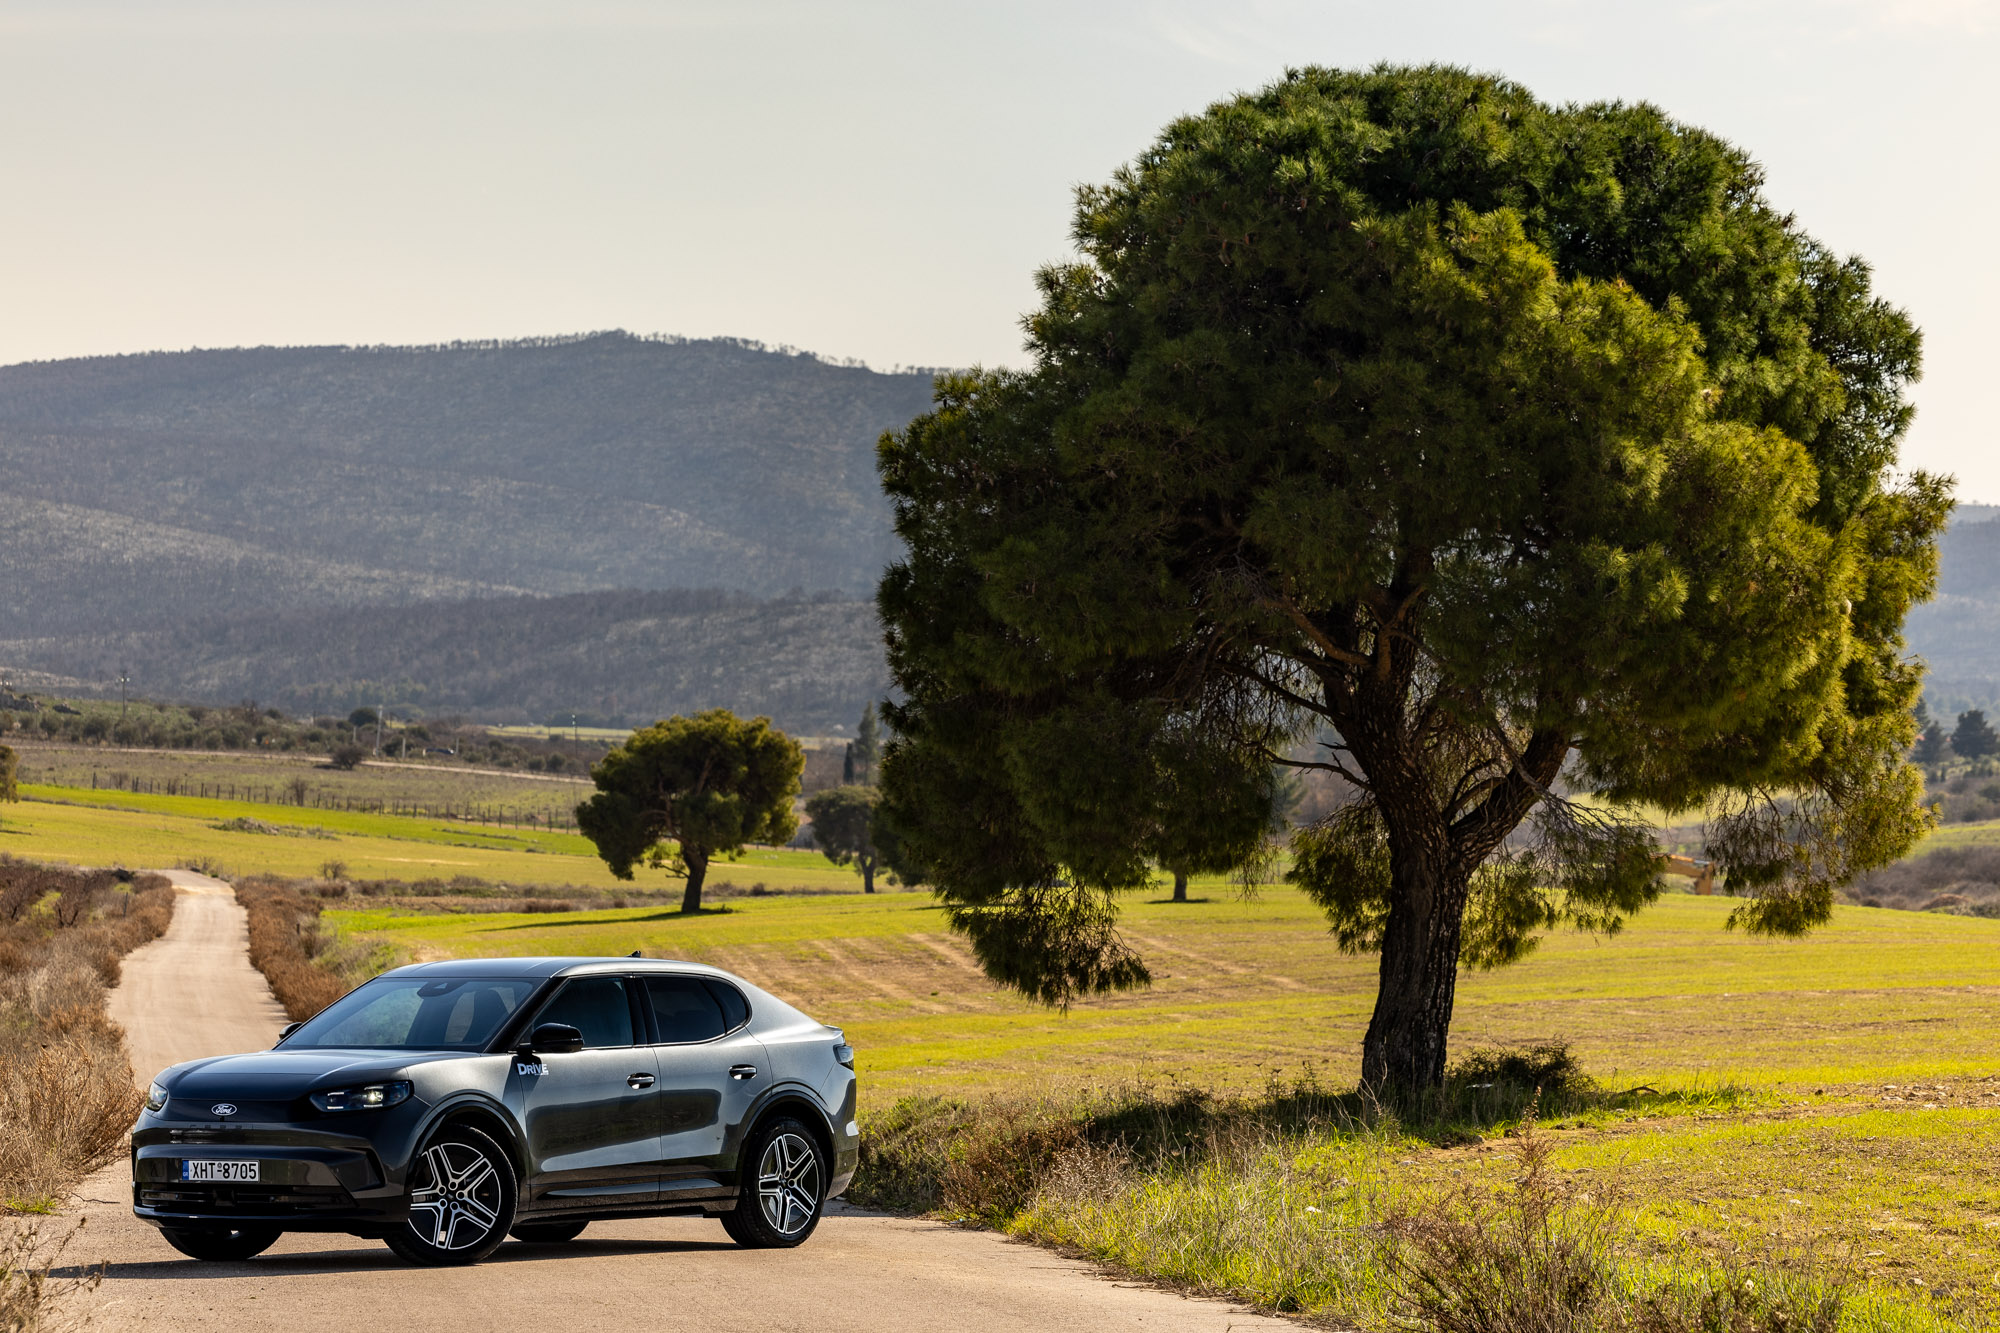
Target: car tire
pixel 549 1233
pixel 219 1245
pixel 781 1187
pixel 463 1192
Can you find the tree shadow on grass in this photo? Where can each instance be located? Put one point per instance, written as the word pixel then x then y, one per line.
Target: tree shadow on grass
pixel 572 919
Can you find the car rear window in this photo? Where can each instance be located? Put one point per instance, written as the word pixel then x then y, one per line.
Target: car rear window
pixel 684 1010
pixel 735 1009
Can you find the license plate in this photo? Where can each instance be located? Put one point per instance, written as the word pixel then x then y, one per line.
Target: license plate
pixel 206 1168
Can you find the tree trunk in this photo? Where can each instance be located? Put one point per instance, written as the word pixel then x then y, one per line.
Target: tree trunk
pixel 1180 886
pixel 867 864
pixel 697 865
pixel 1404 1051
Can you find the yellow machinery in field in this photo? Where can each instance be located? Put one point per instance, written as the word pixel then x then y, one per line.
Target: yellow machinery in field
pixel 1701 872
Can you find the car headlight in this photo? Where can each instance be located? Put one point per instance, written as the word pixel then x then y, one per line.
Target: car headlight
pixel 373 1097
pixel 156 1097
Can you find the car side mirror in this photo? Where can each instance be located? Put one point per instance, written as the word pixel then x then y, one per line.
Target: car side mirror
pixel 555 1039
pixel 288 1029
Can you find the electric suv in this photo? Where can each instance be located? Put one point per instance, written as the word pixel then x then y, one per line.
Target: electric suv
pixel 444 1106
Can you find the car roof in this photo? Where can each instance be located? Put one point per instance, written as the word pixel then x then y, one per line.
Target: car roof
pixel 540 968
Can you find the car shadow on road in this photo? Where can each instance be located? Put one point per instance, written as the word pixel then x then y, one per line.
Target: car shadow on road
pixel 374 1260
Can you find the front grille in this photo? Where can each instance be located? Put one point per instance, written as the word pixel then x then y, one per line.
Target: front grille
pixel 259 1200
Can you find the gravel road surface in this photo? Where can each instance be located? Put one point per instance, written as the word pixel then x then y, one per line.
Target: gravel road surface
pixel 193 992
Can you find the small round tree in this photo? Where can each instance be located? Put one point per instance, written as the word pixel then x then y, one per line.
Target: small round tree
pixel 843 828
pixel 1504 450
pixel 681 792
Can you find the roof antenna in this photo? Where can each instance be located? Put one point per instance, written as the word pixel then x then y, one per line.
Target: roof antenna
pixel 634 954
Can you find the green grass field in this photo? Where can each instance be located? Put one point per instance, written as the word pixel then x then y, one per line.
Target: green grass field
pixel 86 827
pixel 1246 987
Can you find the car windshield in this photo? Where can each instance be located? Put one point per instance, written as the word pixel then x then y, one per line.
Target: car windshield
pixel 415 1014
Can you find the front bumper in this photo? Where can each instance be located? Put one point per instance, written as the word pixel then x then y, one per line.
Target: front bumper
pixel 307 1180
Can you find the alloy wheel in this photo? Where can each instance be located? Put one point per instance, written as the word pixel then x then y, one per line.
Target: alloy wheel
pixel 788 1183
pixel 457 1200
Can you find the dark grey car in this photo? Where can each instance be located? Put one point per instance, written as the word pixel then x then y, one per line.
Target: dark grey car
pixel 444 1106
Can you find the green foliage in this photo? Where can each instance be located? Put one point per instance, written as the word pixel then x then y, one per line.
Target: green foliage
pixel 1495 441
pixel 10 765
pixel 1930 747
pixel 864 751
pixel 843 827
pixel 1973 737
pixel 709 783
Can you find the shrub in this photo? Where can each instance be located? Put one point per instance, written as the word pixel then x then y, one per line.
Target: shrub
pixel 66 1091
pixel 284 940
pixel 307 966
pixel 1537 1258
pixel 30 1288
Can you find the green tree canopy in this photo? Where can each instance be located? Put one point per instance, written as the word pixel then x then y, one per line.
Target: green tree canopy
pixel 681 792
pixel 1495 443
pixel 843 827
pixel 864 751
pixel 1931 744
pixel 10 768
pixel 1973 737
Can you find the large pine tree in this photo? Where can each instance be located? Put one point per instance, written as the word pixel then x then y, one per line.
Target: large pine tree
pixel 1511 449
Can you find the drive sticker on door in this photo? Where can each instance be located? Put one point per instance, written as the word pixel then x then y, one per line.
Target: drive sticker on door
pixel 523 1067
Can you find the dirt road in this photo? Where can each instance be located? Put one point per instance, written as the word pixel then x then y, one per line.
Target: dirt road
pixel 192 992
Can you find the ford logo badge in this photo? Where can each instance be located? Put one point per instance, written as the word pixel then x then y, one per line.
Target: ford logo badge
pixel 222 1109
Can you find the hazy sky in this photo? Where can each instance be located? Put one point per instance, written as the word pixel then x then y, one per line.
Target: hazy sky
pixel 874 180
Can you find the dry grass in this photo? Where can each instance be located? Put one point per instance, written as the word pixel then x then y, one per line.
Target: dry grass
pixel 33 1298
pixel 308 966
pixel 1541 1256
pixel 66 1093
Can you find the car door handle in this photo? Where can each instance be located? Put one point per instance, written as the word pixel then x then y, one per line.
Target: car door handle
pixel 742 1071
pixel 639 1081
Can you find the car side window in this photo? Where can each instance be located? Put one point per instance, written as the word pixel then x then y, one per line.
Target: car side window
pixel 735 1009
pixel 595 1006
pixel 684 1010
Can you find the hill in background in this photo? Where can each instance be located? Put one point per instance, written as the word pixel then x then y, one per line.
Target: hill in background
pixel 145 491
pixel 810 663
pixel 1958 632
pixel 323 526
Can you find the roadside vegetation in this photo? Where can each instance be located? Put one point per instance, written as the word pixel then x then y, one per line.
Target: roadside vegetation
pixel 1503 1205
pixel 66 1092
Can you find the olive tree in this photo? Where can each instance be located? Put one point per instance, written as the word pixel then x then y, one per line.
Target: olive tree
pixel 1508 451
pixel 683 791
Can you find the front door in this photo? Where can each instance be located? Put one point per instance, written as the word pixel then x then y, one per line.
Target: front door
pixel 711 1070
pixel 592 1116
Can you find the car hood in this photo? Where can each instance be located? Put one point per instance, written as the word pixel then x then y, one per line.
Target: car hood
pixel 279 1075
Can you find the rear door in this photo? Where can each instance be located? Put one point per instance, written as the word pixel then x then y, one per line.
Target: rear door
pixel 592 1116
pixel 711 1070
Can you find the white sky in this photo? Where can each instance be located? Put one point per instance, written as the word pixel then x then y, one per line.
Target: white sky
pixel 861 178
